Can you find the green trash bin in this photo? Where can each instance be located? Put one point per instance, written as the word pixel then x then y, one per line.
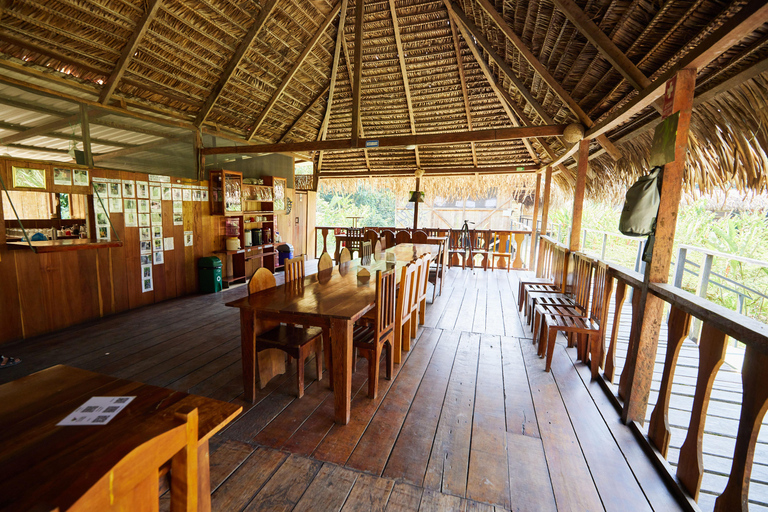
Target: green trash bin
pixel 209 271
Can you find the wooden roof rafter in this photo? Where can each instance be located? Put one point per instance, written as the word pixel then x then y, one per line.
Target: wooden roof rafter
pixel 234 62
pixel 358 70
pixel 294 69
pixel 323 131
pixel 129 50
pixel 463 80
pixel 355 87
pixel 404 74
pixel 542 71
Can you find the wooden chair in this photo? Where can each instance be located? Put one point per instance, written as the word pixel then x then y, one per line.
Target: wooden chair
pixel 456 250
pixel 296 341
pixel 388 237
pixel 378 251
pixel 370 340
pixel 294 269
pixel 371 236
pixel 132 484
pixel 403 311
pixel 414 302
pixel 575 304
pixel 543 268
pixel 403 237
pixel 588 328
pixel 559 273
pixel 345 256
pixel 421 296
pixel 480 241
pixel 419 237
pixel 325 263
pixel 365 253
pixel 354 240
pixel 501 249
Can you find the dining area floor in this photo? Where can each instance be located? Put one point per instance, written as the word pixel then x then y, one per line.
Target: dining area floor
pixel 469 421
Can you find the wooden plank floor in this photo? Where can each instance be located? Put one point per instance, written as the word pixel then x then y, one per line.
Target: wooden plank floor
pixel 470 421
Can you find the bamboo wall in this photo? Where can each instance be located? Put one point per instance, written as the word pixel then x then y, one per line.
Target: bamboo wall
pixel 40 293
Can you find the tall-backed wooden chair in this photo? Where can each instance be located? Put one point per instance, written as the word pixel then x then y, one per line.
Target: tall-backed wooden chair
pixel 132 483
pixel 414 302
pixel 345 256
pixel 366 253
pixel 480 242
pixel 294 269
pixel 588 328
pixel 559 272
pixel 456 251
pixel 419 237
pixel 543 273
pixel 378 251
pixel 403 237
pixel 325 262
pixel 370 340
pixel 296 341
pixel 403 311
pixel 371 236
pixel 354 240
pixel 388 238
pixel 421 296
pixel 501 250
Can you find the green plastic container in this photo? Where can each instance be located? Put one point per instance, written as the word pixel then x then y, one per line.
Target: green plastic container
pixel 209 274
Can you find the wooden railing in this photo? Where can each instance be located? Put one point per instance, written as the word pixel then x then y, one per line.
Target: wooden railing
pixel 718 323
pixel 482 243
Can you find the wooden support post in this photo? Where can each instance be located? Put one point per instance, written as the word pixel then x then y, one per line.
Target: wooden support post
pixel 642 355
pixel 534 228
pixel 357 71
pixel 545 209
pixel 578 195
pixel 85 130
pixel 416 206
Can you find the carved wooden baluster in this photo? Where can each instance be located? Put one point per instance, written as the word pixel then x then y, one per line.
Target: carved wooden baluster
pixel 518 261
pixel 624 381
pixel 325 240
pixel 677 331
pixel 690 467
pixel 753 406
pixel 604 320
pixel 610 359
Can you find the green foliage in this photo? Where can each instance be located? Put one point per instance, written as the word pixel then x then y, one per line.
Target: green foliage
pixel 377 208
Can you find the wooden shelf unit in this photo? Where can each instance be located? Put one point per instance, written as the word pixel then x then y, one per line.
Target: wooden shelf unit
pixel 259 214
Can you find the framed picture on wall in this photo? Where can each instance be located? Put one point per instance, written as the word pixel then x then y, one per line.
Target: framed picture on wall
pixel 279 194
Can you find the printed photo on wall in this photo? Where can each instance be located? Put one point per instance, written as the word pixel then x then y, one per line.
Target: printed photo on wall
pixel 131 219
pixel 178 207
pixel 157 244
pixel 114 190
pixel 102 219
pixel 157 231
pixel 129 189
pixel 146 271
pixel 188 238
pixel 176 194
pixel 155 193
pixel 145 247
pixel 158 256
pixel 143 205
pixel 145 234
pixel 204 195
pixel 101 189
pixel 197 195
pixel 80 178
pixel 186 194
pixel 145 259
pixel 144 220
pixel 168 243
pixel 178 219
pixel 129 205
pixel 146 285
pixel 167 193
pixel 115 204
pixel 102 233
pixel 142 190
pixel 62 177
pixel 156 206
pixel 157 218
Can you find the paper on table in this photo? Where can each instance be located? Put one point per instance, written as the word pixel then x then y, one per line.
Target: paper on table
pixel 98 410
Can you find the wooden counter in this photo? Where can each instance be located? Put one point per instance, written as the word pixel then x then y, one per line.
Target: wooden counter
pixel 77 244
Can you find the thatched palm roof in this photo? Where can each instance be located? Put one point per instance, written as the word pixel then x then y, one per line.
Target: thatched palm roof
pixel 264 71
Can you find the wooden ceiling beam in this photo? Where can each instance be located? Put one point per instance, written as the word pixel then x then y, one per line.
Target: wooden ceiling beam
pixel 743 23
pixel 439 171
pixel 294 69
pixel 545 74
pixel 397 140
pixel 358 71
pixel 234 62
pixel 463 79
pixel 129 50
pixel 345 48
pixel 507 103
pixel 323 132
pixel 404 74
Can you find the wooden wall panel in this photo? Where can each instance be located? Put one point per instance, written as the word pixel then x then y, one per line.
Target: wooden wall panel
pixel 40 293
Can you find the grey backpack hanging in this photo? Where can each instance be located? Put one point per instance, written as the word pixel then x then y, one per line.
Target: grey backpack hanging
pixel 641 207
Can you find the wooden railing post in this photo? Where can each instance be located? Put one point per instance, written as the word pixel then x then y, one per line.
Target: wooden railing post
pixel 690 467
pixel 701 289
pixel 754 403
pixel 658 430
pixel 534 221
pixel 642 355
pixel 578 194
pixel 610 358
pixel 544 211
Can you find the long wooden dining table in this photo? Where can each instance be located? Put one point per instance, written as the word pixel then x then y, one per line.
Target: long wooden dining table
pixel 333 300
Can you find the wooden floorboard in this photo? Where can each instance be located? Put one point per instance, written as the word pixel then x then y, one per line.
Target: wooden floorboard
pixel 469 422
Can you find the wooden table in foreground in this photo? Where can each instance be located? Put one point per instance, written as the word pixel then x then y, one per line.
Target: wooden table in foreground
pixel 41 462
pixel 333 300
